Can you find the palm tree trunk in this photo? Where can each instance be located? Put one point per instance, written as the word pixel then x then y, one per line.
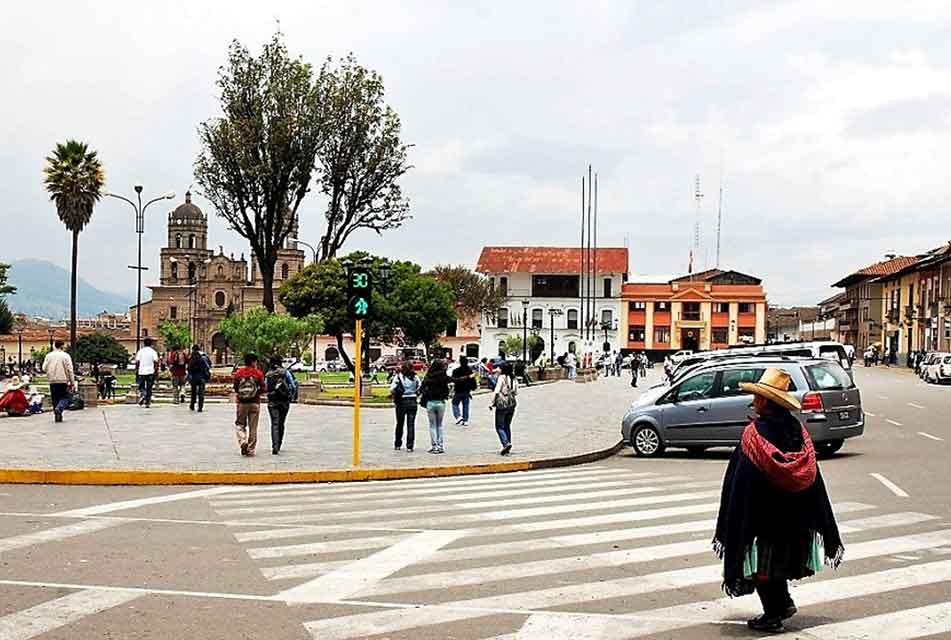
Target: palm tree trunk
pixel 72 291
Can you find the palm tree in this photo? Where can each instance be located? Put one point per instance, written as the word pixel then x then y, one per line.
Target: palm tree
pixel 74 178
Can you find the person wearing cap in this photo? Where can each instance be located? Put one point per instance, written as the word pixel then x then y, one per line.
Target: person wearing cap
pixel 13 400
pixel 775 513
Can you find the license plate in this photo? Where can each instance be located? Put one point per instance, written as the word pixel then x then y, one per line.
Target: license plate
pixel 844 415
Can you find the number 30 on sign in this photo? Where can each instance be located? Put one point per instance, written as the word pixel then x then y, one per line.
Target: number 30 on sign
pixel 358 292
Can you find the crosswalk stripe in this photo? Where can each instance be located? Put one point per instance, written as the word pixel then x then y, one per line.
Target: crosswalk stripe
pixel 311 548
pixel 297 571
pixel 261 535
pixel 365 488
pixel 666 619
pixel 900 625
pixel 590 495
pixel 55 534
pixel 60 612
pixel 111 507
pixel 440 488
pixel 367 572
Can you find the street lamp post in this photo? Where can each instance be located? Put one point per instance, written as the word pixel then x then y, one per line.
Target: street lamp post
pixel 19 349
pixel 551 319
pixel 139 229
pixel 49 330
pixel 525 304
pixel 306 244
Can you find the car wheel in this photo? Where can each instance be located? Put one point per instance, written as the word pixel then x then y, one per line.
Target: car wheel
pixel 828 448
pixel 696 451
pixel 646 442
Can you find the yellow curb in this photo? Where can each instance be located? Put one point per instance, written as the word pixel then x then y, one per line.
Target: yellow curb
pixel 141 477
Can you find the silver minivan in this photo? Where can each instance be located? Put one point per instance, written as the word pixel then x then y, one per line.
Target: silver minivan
pixel 707 408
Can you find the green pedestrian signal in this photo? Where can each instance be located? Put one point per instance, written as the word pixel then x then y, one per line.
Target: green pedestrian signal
pixel 358 292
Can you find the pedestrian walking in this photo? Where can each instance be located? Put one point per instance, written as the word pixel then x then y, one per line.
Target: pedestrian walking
pixel 248 387
pixel 504 401
pixel 642 363
pixel 774 509
pixel 59 372
pixel 281 391
pixel 618 363
pixel 634 372
pixel 571 361
pixel 404 389
pixel 199 373
pixel 463 384
pixel 433 394
pixel 146 366
pixel 177 363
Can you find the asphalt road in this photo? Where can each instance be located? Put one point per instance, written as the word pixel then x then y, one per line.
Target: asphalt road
pixel 618 549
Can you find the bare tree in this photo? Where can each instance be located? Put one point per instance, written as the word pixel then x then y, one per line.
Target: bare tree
pixel 257 161
pixel 362 157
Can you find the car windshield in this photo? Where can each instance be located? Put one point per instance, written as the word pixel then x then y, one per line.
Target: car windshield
pixel 835 352
pixel 828 376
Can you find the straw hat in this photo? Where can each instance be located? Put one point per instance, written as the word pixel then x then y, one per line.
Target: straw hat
pixel 774 385
pixel 14 383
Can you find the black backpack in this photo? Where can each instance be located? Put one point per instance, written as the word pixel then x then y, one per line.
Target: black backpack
pixel 279 390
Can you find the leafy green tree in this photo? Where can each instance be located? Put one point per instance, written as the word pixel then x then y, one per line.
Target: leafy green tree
pixel 361 157
pixel 98 349
pixel 6 318
pixel 40 355
pixel 513 347
pixel 175 335
pixel 256 161
pixel 473 292
pixel 424 308
pixel 5 288
pixel 74 179
pixel 265 334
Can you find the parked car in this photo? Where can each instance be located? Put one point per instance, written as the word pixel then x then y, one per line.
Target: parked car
pixel 812 349
pixel 388 363
pixel 707 408
pixel 929 359
pixel 938 369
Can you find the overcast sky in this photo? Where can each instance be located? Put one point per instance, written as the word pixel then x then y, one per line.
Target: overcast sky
pixel 829 121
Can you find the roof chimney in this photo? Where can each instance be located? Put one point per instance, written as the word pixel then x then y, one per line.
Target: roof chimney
pixel 891 256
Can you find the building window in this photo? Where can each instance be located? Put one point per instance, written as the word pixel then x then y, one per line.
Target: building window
pixel 720 335
pixel 220 298
pixel 746 334
pixel 504 285
pixel 221 271
pixel 191 272
pixel 607 287
pixel 178 241
pixel 637 305
pixel 555 287
pixel 501 347
pixel 607 317
pixel 472 350
pixel 537 315
pixel 145 332
pixel 635 334
pixel 451 330
pixel 745 307
pixel 662 335
pixel 173 312
pixel 285 271
pixel 721 307
pixel 662 305
pixel 174 271
pixel 503 318
pixel 691 311
pixel 572 318
pixel 191 241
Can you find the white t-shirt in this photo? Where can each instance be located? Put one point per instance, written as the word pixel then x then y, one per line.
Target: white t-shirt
pixel 147 359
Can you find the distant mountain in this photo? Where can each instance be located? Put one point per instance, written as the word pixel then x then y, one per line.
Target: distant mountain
pixel 43 290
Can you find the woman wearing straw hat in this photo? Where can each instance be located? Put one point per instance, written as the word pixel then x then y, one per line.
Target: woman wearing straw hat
pixel 14 401
pixel 775 513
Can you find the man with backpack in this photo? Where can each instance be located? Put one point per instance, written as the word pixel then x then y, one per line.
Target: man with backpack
pixel 248 387
pixel 281 391
pixel 177 361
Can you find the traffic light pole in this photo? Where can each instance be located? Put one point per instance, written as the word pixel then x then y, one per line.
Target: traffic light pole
pixel 357 383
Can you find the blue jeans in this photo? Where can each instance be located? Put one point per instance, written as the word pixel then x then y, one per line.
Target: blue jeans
pixel 59 396
pixel 464 401
pixel 503 425
pixel 571 372
pixel 436 410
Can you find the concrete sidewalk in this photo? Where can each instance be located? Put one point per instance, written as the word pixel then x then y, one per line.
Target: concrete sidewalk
pixel 554 423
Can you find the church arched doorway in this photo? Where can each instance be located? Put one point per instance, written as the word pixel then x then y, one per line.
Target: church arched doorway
pixel 219 348
pixel 331 354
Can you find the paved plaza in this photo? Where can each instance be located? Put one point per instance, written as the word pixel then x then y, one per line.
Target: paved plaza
pixel 552 421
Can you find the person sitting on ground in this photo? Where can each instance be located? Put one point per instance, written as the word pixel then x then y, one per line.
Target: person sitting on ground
pixel 36 400
pixel 14 401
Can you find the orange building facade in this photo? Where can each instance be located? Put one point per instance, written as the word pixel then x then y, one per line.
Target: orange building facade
pixel 709 310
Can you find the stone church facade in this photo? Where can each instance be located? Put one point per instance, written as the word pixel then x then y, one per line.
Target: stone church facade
pixel 200 287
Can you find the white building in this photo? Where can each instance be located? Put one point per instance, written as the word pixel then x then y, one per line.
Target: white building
pixel 548 297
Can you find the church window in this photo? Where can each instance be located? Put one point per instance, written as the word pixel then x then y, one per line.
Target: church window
pixel 178 241
pixel 221 271
pixel 285 271
pixel 191 272
pixel 174 271
pixel 220 298
pixel 173 312
pixel 191 241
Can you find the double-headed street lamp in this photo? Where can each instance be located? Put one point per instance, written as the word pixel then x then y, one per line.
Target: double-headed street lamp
pixel 525 304
pixel 306 244
pixel 552 313
pixel 49 330
pixel 139 229
pixel 19 349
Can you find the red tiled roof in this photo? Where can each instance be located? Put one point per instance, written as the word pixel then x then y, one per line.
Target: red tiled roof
pixel 548 260
pixel 883 268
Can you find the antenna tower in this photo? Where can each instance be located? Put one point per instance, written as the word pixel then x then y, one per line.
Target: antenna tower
pixel 698 196
pixel 719 217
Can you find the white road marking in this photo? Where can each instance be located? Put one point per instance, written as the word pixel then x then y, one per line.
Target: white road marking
pixel 894 422
pixel 891 486
pixel 900 625
pixel 574 627
pixel 310 548
pixel 140 590
pixel 60 612
pixel 297 571
pixel 882 397
pixel 367 572
pixel 870 414
pixel 930 437
pixel 531 602
pixel 145 502
pixel 286 532
pixel 916 406
pixel 55 534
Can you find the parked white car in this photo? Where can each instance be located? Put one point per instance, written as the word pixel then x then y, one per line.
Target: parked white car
pixel 939 368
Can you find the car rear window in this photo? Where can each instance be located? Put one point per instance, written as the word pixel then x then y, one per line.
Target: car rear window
pixel 835 352
pixel 796 353
pixel 828 376
pixel 947 360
